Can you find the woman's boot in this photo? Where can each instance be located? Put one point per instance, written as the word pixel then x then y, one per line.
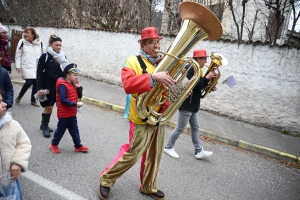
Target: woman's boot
pixel 42 124
pixel 45 125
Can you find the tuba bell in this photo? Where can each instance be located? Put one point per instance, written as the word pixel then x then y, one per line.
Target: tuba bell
pixel 198 23
pixel 217 60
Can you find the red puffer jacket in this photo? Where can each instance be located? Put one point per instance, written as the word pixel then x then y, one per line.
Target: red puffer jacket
pixel 65 111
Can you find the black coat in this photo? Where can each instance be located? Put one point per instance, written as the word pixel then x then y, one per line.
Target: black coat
pixel 6 87
pixel 48 71
pixel 192 103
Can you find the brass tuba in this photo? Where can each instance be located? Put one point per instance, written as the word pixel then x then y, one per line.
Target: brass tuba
pixel 198 23
pixel 216 61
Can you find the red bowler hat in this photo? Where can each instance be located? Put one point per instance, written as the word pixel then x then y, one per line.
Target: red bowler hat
pixel 199 53
pixel 149 32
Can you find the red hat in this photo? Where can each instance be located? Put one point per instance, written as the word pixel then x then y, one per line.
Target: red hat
pixel 149 32
pixel 199 53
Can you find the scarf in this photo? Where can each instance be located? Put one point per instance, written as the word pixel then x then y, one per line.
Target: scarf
pixel 3 48
pixel 151 59
pixel 5 119
pixel 60 57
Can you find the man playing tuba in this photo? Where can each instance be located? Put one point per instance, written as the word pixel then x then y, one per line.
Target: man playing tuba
pixel 144 140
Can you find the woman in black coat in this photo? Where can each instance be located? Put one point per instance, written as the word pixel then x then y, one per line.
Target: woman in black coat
pixel 50 67
pixel 6 88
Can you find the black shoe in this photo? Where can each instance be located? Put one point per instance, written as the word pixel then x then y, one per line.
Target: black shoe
pixel 103 192
pixel 42 127
pixel 159 195
pixel 46 132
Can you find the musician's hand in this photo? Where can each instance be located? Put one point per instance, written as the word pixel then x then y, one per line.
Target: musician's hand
pixel 190 93
pixel 214 88
pixel 163 78
pixel 211 75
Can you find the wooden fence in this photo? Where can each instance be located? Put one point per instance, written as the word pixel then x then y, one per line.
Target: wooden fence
pixel 15 37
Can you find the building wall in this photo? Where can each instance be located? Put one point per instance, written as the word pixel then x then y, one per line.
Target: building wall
pixel 268 90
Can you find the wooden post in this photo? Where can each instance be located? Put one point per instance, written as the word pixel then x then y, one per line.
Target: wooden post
pixel 15 37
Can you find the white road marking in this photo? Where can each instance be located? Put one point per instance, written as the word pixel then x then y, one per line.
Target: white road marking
pixel 53 187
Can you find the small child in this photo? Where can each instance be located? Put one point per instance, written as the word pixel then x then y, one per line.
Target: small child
pixel 15 149
pixel 68 91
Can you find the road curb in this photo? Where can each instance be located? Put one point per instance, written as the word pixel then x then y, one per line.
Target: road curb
pixel 279 155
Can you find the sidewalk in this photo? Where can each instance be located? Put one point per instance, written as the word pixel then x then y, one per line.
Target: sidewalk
pixel 253 138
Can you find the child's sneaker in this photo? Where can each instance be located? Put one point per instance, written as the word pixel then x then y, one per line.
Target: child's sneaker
pixel 81 149
pixel 54 148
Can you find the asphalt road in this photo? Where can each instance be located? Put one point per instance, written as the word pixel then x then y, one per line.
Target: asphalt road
pixel 231 173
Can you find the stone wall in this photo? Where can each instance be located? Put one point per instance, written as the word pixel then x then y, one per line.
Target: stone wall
pixel 268 90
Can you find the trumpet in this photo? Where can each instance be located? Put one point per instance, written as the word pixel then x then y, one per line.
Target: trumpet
pixel 217 60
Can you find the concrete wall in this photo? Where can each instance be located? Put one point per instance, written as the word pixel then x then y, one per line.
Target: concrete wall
pixel 268 90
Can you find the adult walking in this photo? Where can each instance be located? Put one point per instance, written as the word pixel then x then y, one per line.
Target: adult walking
pixel 145 140
pixel 4 56
pixel 50 67
pixel 29 48
pixel 6 87
pixel 188 112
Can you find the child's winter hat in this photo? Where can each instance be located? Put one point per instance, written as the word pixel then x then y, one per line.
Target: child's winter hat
pixel 3 29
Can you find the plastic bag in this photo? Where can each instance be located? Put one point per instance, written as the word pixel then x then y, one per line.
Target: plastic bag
pixel 9 188
pixel 43 98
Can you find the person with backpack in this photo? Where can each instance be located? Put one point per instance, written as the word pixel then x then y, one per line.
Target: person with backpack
pixel 5 60
pixel 29 48
pixel 50 67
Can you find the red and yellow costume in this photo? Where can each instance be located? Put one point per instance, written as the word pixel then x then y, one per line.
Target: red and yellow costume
pixel 144 140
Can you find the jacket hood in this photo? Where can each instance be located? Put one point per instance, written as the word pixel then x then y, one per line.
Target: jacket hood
pixel 36 41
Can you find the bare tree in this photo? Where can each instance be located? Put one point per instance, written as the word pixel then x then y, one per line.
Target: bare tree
pixel 295 16
pixel 134 15
pixel 239 21
pixel 276 12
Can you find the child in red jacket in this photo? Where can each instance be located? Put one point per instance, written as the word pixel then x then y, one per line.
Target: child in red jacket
pixel 68 91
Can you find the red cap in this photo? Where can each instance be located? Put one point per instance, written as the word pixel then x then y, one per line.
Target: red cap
pixel 148 33
pixel 199 53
